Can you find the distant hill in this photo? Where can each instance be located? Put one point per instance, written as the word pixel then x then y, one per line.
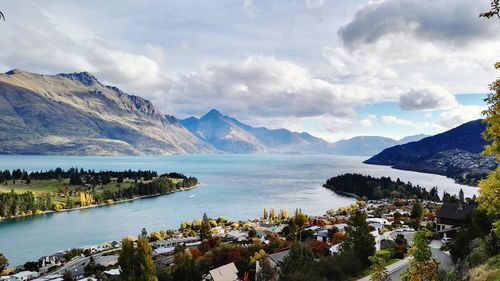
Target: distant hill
pixel 75 114
pixel 412 138
pixel 455 153
pixel 227 134
pixel 363 145
pixel 369 145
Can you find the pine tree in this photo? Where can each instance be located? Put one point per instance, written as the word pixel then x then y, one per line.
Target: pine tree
pixel 358 240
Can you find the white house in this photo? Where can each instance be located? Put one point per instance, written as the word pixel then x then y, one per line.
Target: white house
pixel 24 276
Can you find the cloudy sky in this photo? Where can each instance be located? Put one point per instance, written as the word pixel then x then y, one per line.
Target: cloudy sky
pixel 333 68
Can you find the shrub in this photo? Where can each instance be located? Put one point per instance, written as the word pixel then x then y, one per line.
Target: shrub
pixel 385 254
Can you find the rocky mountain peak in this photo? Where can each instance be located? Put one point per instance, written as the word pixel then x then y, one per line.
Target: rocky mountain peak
pixel 84 78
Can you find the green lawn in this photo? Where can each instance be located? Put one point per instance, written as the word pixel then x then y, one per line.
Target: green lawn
pixel 53 186
pixel 36 186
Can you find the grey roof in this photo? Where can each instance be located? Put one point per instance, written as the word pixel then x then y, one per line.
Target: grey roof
pixel 279 257
pixel 454 212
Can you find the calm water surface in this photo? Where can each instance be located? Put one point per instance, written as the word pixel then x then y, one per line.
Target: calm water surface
pixel 234 186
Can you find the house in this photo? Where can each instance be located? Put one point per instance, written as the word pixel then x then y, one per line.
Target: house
pixel 322 236
pixel 163 251
pixel 451 216
pixel 112 272
pixel 275 261
pixel 23 276
pixel 106 261
pixel 77 272
pixel 227 272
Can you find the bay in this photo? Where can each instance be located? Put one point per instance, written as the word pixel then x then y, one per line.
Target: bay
pixel 234 186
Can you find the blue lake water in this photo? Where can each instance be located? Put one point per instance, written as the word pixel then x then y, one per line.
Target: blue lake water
pixel 234 186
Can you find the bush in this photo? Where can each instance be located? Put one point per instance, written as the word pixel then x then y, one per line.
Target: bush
pixel 479 252
pixel 385 254
pixel 387 244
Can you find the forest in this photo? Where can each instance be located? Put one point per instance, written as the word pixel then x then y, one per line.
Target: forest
pixel 379 188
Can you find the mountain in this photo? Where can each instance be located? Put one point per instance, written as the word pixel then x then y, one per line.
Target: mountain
pixel 369 145
pixel 363 145
pixel 456 153
pixel 230 135
pixel 75 114
pixel 412 138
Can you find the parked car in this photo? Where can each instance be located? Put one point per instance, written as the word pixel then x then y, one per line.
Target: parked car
pixel 407 228
pixel 399 229
pixel 446 240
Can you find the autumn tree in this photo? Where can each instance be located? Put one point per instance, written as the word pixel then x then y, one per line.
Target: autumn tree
pixel 489 188
pixel 137 263
pixel 146 269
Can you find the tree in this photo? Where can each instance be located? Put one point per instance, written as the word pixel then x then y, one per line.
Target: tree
pixel 422 266
pixel 358 240
pixel 379 272
pixel 4 262
pixel 495 10
pixel 416 210
pixel 146 269
pixel 489 188
pixel 126 260
pixel 267 271
pixel 461 196
pixel 136 264
pixel 298 259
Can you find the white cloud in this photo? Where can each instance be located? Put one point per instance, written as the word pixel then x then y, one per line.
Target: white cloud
pixel 448 21
pixel 263 86
pixel 368 121
pixel 393 120
pixel 427 99
pixel 459 115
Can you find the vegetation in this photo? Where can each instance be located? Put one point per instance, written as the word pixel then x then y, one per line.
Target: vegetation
pixel 378 188
pixel 422 266
pixel 489 199
pixel 358 239
pixel 23 193
pixel 136 263
pixel 4 262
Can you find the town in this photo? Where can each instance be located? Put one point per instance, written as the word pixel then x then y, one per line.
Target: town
pixel 256 249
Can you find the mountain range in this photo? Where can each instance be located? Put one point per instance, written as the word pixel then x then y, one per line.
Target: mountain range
pixel 227 134
pixel 75 114
pixel 456 153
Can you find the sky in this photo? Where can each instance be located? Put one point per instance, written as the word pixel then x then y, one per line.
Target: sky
pixel 335 69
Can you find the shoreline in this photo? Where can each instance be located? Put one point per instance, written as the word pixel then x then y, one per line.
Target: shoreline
pixel 2 219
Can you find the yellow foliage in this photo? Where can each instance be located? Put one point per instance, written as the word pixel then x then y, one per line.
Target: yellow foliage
pixel 257 256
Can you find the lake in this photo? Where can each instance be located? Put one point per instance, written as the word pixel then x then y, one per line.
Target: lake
pixel 234 186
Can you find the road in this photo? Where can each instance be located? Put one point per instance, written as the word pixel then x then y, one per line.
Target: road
pixel 395 270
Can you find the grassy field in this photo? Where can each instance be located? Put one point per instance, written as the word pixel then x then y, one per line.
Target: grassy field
pixel 36 186
pixel 53 186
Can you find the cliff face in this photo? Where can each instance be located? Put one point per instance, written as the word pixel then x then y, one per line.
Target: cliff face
pixel 75 114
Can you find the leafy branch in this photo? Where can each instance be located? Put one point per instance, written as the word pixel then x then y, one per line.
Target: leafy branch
pixel 495 10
